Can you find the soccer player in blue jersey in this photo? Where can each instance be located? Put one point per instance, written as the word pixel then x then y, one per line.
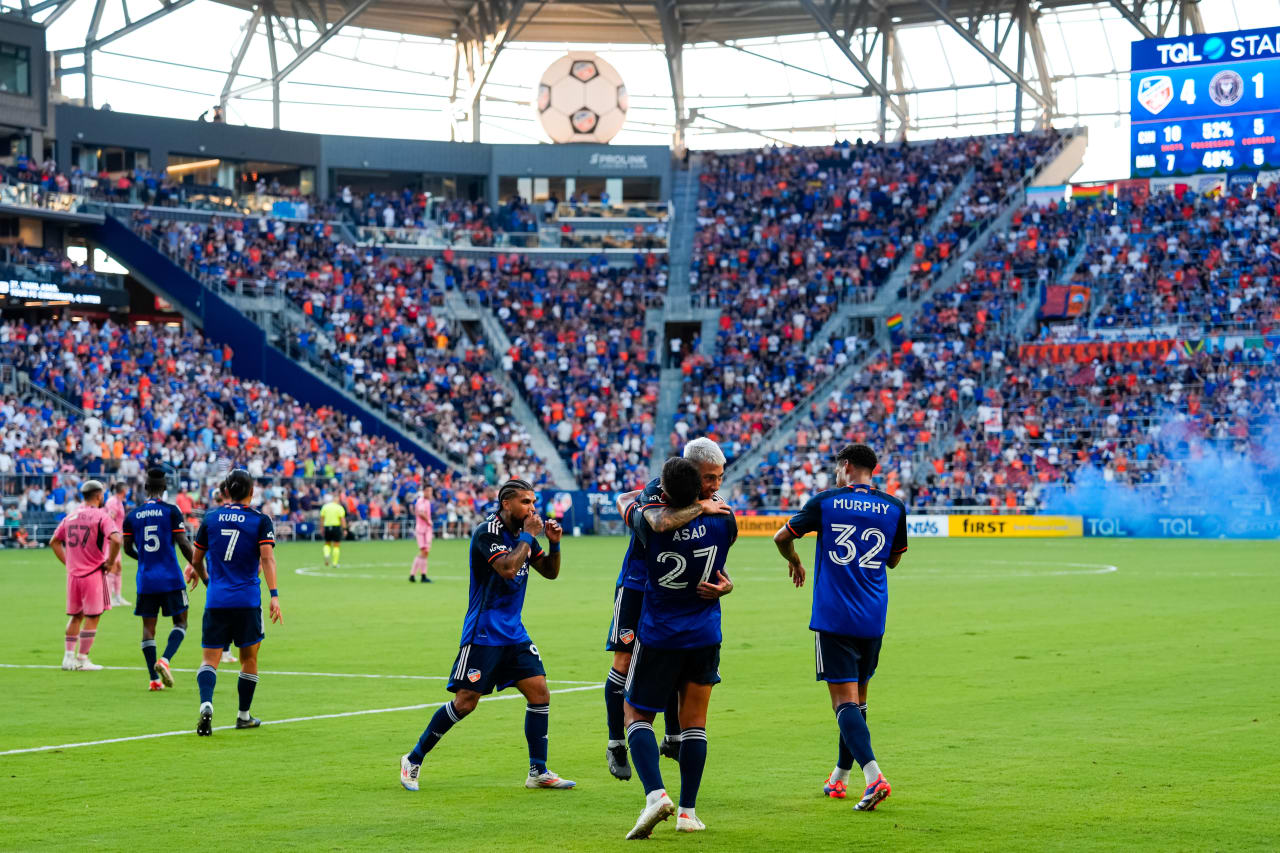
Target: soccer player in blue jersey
pixel 495 651
pixel 238 542
pixel 861 532
pixel 677 645
pixel 150 533
pixel 628 594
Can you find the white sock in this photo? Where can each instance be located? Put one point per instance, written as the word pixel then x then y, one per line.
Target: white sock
pixel 614 743
pixel 653 796
pixel 81 656
pixel 871 771
pixel 688 813
pixel 206 706
pixel 244 715
pixel 839 775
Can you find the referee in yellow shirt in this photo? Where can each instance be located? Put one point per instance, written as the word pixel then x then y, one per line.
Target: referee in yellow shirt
pixel 333 517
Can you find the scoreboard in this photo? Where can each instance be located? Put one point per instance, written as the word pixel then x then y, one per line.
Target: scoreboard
pixel 1205 103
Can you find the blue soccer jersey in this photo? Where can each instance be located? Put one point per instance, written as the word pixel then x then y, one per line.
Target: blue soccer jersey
pixel 858 529
pixel 633 573
pixel 674 616
pixel 152 527
pixel 495 604
pixel 231 535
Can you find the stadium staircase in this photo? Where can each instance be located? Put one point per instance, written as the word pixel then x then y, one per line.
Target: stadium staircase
pixel 781 434
pixel 463 307
pixel 678 306
pixel 254 357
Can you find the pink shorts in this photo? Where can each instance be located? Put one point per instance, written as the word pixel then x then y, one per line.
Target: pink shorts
pixel 424 539
pixel 87 595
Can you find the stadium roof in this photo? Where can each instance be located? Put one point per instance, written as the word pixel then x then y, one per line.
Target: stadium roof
pixel 639 21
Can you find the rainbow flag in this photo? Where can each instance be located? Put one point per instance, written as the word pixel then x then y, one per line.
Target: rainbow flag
pixel 894 322
pixel 1092 190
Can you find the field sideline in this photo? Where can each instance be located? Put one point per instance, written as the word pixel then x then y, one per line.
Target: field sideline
pixel 1032 695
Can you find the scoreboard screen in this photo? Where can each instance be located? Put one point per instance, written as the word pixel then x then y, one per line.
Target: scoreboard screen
pixel 1205 103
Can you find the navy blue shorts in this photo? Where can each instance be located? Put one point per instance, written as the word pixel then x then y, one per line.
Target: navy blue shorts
pixel 150 604
pixel 655 673
pixel 485 669
pixel 626 616
pixel 239 625
pixel 839 658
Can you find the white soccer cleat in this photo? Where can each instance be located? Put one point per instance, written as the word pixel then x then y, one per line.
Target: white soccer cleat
pixel 654 813
pixel 227 657
pixel 162 670
pixel 409 773
pixel 546 780
pixel 69 661
pixel 83 664
pixel 121 601
pixel 686 822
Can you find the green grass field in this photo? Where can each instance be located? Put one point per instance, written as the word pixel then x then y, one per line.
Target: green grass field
pixel 1029 697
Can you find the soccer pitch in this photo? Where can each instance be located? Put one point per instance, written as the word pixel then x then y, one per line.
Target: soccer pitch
pixel 1032 695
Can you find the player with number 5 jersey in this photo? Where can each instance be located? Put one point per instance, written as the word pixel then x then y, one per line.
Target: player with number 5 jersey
pixel 237 542
pixel 862 532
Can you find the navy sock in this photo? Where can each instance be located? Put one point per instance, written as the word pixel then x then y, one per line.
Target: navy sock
pixel 644 754
pixel 176 636
pixel 441 721
pixel 206 677
pixel 671 716
pixel 149 653
pixel 615 691
pixel 246 683
pixel 844 758
pixel 693 757
pixel 854 731
pixel 537 719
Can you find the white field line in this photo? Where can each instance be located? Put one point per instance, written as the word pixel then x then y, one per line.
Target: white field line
pixel 364 713
pixel 277 672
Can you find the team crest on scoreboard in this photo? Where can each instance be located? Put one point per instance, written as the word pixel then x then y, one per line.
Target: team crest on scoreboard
pixel 473 675
pixel 1226 88
pixel 1155 93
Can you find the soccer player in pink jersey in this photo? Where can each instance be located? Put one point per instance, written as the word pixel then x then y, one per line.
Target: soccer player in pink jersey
pixel 422 529
pixel 87 542
pixel 115 573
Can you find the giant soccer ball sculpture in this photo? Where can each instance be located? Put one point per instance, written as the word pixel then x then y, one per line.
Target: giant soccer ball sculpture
pixel 581 98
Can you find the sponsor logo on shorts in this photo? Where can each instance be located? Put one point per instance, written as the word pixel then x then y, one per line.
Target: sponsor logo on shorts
pixel 473 675
pixel 627 636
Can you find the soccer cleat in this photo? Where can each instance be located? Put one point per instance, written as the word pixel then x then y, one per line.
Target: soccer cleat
pixel 670 748
pixel 834 790
pixel 618 764
pixel 227 657
pixel 689 823
pixel 876 792
pixel 426 579
pixel 412 579
pixel 654 813
pixel 69 661
pixel 204 728
pixel 409 773
pixel 155 685
pixel 251 723
pixel 121 601
pixel 546 780
pixel 83 664
pixel 162 669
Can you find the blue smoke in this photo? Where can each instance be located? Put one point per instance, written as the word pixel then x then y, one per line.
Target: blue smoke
pixel 1203 488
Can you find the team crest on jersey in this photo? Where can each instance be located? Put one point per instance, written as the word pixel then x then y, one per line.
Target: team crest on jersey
pixel 627 636
pixel 473 675
pixel 1155 93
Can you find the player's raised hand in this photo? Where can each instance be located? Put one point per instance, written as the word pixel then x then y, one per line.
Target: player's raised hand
pixel 554 530
pixel 796 570
pixel 709 590
pixel 533 524
pixel 713 506
pixel 277 616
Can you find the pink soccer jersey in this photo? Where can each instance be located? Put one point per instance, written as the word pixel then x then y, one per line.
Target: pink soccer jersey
pixel 115 509
pixel 85 534
pixel 422 526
